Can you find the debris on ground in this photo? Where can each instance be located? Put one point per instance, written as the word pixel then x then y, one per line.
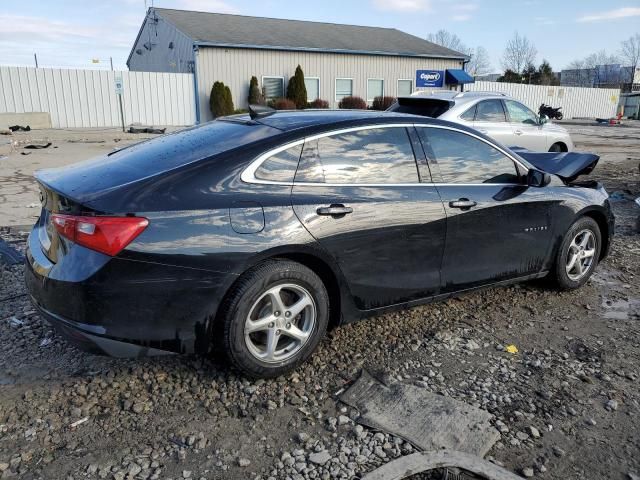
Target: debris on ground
pixel 37 146
pixel 410 465
pixel 9 255
pixel 133 129
pixel 20 128
pixel 427 420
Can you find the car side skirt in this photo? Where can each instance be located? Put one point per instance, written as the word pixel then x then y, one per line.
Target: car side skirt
pixel 349 317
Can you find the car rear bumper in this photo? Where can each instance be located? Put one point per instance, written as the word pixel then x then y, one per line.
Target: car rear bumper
pixel 124 308
pixel 90 339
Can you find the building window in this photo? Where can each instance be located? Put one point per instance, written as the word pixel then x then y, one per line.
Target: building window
pixel 312 84
pixel 344 88
pixel 273 87
pixel 375 88
pixel 405 87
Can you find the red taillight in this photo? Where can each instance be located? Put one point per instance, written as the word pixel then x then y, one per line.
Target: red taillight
pixel 108 235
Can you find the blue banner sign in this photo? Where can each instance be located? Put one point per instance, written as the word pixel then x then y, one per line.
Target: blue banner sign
pixel 429 78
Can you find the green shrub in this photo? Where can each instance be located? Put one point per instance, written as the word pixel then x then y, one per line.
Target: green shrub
pixel 382 103
pixel 283 104
pixel 319 103
pixel 296 90
pixel 354 103
pixel 228 100
pixel 220 101
pixel 256 96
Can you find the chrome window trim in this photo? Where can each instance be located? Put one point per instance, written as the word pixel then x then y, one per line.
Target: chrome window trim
pixel 248 174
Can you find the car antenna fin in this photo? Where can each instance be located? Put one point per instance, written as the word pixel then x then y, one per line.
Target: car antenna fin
pixel 260 111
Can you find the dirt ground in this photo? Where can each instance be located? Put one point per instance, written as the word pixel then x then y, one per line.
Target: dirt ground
pixel 567 404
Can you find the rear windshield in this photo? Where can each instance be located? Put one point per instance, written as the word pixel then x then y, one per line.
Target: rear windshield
pixel 427 107
pixel 152 157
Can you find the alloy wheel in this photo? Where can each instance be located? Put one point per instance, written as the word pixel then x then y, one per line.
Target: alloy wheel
pixel 280 322
pixel 581 254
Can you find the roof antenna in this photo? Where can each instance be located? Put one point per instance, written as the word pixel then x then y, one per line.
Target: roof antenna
pixel 260 111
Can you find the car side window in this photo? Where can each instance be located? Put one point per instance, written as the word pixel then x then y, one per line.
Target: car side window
pixel 518 113
pixel 375 155
pixel 462 158
pixel 469 115
pixel 490 111
pixel 281 166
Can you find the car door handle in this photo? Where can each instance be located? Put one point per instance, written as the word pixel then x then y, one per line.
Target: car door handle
pixel 463 203
pixel 334 210
pixel 518 132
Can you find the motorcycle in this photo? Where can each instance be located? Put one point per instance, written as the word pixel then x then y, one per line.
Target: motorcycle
pixel 550 112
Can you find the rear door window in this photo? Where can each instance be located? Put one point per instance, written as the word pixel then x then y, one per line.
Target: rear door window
pixel 469 115
pixel 375 155
pixel 462 158
pixel 281 166
pixel 490 111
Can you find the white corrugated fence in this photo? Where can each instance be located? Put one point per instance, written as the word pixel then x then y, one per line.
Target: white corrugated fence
pixel 576 102
pixel 87 98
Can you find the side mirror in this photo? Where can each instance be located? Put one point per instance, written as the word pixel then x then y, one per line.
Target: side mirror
pixel 543 119
pixel 537 178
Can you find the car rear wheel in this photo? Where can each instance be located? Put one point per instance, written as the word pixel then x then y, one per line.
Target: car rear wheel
pixel 274 318
pixel 578 255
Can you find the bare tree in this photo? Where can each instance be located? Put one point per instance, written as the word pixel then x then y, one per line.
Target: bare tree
pixel 479 64
pixel 604 66
pixel 448 40
pixel 579 75
pixel 518 53
pixel 630 52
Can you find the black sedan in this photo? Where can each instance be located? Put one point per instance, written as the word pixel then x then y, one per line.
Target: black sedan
pixel 253 234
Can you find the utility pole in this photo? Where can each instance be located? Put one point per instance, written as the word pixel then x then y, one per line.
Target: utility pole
pixel 35 57
pixel 111 60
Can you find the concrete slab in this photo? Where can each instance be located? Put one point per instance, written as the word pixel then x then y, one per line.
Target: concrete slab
pixel 429 421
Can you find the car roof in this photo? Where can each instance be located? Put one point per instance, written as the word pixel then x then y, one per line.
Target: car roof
pixel 292 120
pixel 456 97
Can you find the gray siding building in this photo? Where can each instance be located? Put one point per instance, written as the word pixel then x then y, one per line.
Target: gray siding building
pixel 337 60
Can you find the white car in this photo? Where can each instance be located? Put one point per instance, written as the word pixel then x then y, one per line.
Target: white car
pixel 495 114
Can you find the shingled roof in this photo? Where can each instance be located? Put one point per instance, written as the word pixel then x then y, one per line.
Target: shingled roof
pixel 225 30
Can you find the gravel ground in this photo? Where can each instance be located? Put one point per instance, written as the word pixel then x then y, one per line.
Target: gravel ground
pixel 566 404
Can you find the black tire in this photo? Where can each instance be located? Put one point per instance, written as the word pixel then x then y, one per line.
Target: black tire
pixel 556 148
pixel 248 290
pixel 559 274
pixel 559 115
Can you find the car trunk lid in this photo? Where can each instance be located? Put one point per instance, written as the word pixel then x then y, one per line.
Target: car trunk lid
pixel 566 165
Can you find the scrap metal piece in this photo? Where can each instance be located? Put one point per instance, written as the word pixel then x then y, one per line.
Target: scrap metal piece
pixel 427 420
pixel 405 467
pixel 9 255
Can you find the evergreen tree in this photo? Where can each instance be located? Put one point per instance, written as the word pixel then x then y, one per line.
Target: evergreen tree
pixel 220 101
pixel 228 101
pixel 296 90
pixel 255 93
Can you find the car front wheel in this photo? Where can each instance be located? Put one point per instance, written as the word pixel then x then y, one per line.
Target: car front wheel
pixel 578 255
pixel 274 318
